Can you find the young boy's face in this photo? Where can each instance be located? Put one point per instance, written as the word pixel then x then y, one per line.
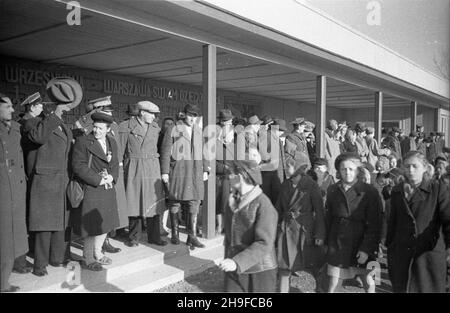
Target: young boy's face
pixel 320 169
pixel 441 167
pixel 290 170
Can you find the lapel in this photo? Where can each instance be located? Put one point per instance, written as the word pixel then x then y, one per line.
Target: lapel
pixel 246 199
pixel 400 189
pixel 352 194
pixel 60 132
pixel 95 148
pixel 137 129
pixel 150 132
pixel 421 191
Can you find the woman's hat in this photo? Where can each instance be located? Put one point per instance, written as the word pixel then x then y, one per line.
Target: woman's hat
pixel 102 117
pixel 65 90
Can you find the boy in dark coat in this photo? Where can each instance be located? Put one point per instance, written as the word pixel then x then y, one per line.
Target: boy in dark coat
pixel 354 218
pixel 418 237
pixel 250 232
pixel 301 223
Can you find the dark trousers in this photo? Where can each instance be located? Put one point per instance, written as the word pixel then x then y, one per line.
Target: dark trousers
pixel 135 227
pixel 6 267
pixel 265 281
pixel 190 206
pixel 50 246
pixel 271 185
pixel 21 261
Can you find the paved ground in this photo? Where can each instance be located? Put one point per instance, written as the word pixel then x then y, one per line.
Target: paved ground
pixel 212 279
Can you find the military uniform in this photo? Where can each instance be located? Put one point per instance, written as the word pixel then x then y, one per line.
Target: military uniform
pixel 13 232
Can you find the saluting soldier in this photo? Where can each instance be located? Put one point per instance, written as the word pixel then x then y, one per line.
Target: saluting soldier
pixel 49 212
pixel 34 107
pixel 13 232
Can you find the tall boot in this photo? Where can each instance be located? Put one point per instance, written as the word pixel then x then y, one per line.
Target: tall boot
pixel 192 240
pixel 174 227
pixel 153 231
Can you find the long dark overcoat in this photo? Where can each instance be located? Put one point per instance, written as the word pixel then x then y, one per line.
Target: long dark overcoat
pixel 182 158
pixel 13 231
pixel 301 149
pixel 354 221
pixel 418 233
pixel 301 214
pixel 99 207
pixel 122 204
pixel 49 210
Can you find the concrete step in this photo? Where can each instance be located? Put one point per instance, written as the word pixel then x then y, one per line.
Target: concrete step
pixel 156 277
pixel 127 262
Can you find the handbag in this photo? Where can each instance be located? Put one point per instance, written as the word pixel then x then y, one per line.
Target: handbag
pixel 75 189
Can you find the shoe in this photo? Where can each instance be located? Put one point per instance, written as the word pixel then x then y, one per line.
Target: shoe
pixel 154 232
pixel 192 240
pixel 131 243
pixel 94 266
pixel 23 270
pixel 109 248
pixel 12 289
pixel 175 238
pixel 159 242
pixel 164 233
pixel 40 272
pixel 105 261
pixel 57 264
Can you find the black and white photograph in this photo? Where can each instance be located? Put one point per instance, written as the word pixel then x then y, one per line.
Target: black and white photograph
pixel 201 149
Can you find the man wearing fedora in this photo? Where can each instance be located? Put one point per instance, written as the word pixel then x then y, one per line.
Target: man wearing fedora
pixel 13 231
pixel 184 170
pixel 392 143
pixel 49 213
pixel 274 160
pixel 143 184
pixel 251 132
pixel 225 151
pixel 296 145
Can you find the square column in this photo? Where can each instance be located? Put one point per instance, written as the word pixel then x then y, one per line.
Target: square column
pixel 209 77
pixel 321 113
pixel 378 118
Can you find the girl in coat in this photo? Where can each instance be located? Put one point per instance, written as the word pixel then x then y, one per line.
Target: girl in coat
pixel 301 223
pixel 95 164
pixel 418 237
pixel 354 218
pixel 250 231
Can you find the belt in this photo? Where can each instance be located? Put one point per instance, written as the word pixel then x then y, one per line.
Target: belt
pixel 143 156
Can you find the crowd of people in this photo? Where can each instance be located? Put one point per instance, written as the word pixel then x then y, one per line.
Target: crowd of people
pixel 281 206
